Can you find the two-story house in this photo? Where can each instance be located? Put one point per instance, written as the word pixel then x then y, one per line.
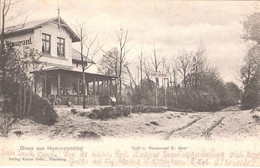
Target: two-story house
pixel 62 74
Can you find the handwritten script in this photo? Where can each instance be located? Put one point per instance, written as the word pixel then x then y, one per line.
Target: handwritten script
pixel 134 156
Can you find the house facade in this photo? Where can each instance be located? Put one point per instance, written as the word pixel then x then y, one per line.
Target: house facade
pixel 61 75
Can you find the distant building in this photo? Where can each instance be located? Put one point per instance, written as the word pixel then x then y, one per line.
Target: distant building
pixel 62 74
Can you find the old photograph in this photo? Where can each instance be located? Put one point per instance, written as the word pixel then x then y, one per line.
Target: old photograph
pixel 112 79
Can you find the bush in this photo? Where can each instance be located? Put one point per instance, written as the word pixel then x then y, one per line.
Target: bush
pixel 121 110
pixel 103 113
pixel 154 109
pixel 251 96
pixel 5 126
pixel 147 109
pixel 137 108
pixel 42 111
pixel 124 110
pixel 110 112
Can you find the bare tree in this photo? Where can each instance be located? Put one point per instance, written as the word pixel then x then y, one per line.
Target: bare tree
pixel 5 6
pixel 132 79
pixel 156 62
pixel 109 63
pixel 123 39
pixel 87 59
pixel 4 9
pixel 147 69
pixel 197 68
pixel 183 63
pixel 173 77
pixel 141 64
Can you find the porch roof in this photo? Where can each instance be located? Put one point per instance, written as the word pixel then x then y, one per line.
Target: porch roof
pixel 69 70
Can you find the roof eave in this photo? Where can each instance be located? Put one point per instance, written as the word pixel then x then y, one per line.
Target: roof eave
pixel 10 34
pixel 74 36
pixel 75 39
pixel 79 61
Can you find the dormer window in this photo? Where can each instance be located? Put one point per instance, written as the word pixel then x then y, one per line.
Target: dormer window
pixel 46 43
pixel 61 47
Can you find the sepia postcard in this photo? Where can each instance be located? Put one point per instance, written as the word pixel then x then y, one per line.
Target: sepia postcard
pixel 120 83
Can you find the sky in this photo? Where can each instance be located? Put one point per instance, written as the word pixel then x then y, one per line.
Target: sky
pixel 171 26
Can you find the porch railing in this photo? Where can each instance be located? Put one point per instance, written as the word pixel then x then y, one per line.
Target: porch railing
pixel 91 100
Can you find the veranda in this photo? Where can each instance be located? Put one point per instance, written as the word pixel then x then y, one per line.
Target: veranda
pixel 67 85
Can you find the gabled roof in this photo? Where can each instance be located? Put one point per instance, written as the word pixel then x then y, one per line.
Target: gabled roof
pixel 30 26
pixel 76 57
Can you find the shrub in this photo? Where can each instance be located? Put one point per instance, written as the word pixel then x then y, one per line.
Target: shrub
pixel 251 97
pixel 6 125
pixel 42 111
pixel 137 108
pixel 121 110
pixel 103 113
pixel 147 109
pixel 124 110
pixel 95 114
pixel 110 112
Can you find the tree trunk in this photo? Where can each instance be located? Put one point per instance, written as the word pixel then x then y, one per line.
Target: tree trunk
pixel 20 100
pixel 84 90
pixel 24 100
pixel 2 57
pixel 30 102
pixel 16 107
pixel 185 85
pixel 120 81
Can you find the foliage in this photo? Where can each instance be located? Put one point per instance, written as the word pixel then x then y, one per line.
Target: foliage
pixel 250 98
pixel 251 26
pixel 122 110
pixel 145 94
pixel 110 112
pixel 18 86
pixel 112 65
pixel 233 93
pixel 147 109
pixel 250 72
pixel 200 87
pixel 114 61
pixel 19 79
pixel 109 63
pixel 41 111
pixel 5 125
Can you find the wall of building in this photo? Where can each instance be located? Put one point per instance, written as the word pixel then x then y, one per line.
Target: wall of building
pixel 23 37
pixel 53 30
pixel 36 43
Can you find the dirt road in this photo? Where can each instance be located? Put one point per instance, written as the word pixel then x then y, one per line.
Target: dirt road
pixel 227 124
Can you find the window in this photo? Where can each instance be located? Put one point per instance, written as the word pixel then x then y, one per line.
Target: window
pixel 46 43
pixel 60 46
